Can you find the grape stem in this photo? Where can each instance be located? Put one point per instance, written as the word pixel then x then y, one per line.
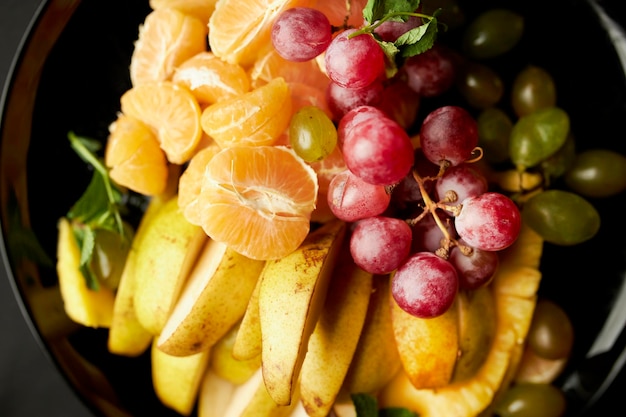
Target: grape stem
pixel 372 26
pixel 431 206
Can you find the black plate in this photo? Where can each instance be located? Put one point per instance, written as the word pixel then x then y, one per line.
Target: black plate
pixel 69 76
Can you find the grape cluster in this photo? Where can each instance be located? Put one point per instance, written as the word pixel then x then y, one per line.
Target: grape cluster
pixel 420 210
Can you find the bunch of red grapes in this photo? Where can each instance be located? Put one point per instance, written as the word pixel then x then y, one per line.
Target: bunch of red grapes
pixel 421 213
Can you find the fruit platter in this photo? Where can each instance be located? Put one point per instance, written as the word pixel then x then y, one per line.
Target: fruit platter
pixel 321 208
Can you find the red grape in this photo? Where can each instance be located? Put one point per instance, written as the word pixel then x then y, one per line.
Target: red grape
pixel 390 30
pixel 354 116
pixel 341 100
pixel 449 133
pixel 380 244
pixel 425 285
pixel 354 62
pixel 427 236
pixel 351 199
pixel 490 221
pixel 378 150
pixel 464 181
pixel 430 73
pixel 301 33
pixel 475 269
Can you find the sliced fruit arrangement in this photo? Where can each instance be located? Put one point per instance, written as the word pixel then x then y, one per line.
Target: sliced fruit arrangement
pixel 317 242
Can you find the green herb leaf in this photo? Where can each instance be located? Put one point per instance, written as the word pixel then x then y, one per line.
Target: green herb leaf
pixel 98 207
pixel 86 238
pixel 418 40
pixel 365 405
pixel 390 9
pixel 396 412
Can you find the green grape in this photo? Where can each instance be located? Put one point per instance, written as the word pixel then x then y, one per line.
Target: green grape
pixel 533 89
pixel 493 33
pixel 597 173
pixel 556 165
pixel 312 134
pixel 481 86
pixel 551 333
pixel 494 131
pixel 538 135
pixel 109 255
pixel 561 217
pixel 531 400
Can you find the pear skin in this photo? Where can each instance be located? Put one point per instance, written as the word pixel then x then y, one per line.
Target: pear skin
pixel 376 345
pixel 165 255
pixel 225 365
pixel 127 337
pixel 176 379
pixel 336 336
pixel 248 341
pixel 291 300
pixel 213 300
pixel 428 348
pixel 477 327
pixel 84 306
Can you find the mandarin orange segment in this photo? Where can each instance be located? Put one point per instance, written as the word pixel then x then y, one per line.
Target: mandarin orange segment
pixel 135 157
pixel 210 79
pixel 303 95
pixel 342 12
pixel 239 29
pixel 258 200
pixel 166 39
pixel 256 118
pixel 172 112
pixel 190 182
pixel 271 65
pixel 202 9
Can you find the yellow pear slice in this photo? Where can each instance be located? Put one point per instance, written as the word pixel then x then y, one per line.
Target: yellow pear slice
pixel 248 340
pixel 176 379
pixel 225 365
pixel 84 306
pixel 428 348
pixel 291 299
pixel 213 300
pixel 336 336
pixel 127 336
pixel 376 345
pixel 215 395
pixel 165 255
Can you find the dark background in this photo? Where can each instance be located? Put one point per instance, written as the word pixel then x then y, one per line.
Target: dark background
pixel 30 384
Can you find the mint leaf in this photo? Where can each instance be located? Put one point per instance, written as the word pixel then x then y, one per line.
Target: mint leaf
pixel 86 238
pixel 98 208
pixel 418 40
pixel 365 405
pixel 391 51
pixel 379 9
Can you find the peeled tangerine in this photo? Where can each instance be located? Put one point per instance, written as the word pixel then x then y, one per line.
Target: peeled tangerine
pixel 171 112
pixel 258 200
